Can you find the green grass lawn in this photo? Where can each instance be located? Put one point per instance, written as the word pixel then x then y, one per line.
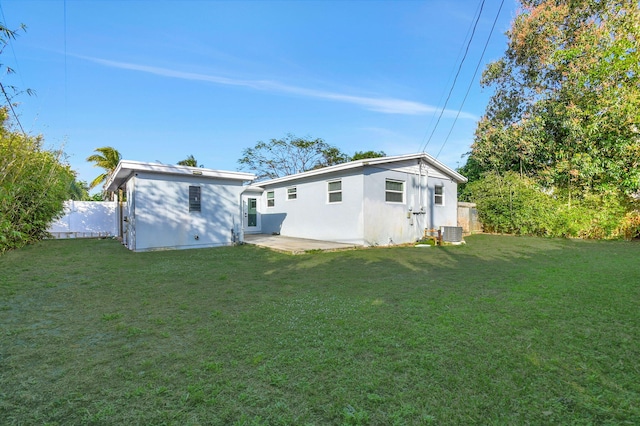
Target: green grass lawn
pixel 503 330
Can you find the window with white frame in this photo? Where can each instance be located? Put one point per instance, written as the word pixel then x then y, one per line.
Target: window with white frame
pixel 394 191
pixel 271 200
pixel 194 198
pixel 292 193
pixel 335 191
pixel 438 195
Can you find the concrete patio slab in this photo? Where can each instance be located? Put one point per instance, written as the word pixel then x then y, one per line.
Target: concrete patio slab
pixel 294 245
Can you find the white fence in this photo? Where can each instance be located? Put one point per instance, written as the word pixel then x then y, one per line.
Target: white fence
pixel 86 219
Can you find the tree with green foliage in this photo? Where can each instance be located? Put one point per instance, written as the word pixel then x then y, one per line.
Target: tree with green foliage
pixel 106 158
pixel 332 156
pixel 289 155
pixel 364 155
pixel 515 204
pixel 79 190
pixel 189 161
pixel 34 183
pixel 566 107
pixel 9 91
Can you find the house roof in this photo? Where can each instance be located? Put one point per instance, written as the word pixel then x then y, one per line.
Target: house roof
pixel 368 162
pixel 126 168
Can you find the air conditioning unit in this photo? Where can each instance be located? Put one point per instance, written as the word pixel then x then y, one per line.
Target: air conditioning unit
pixel 451 234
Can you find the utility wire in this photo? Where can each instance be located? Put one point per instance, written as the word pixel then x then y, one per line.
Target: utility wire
pixel 484 50
pixel 435 111
pixel 13 111
pixel 4 20
pixel 3 89
pixel 64 23
pixel 475 25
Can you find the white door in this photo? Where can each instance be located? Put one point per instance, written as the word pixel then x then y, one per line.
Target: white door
pixel 251 215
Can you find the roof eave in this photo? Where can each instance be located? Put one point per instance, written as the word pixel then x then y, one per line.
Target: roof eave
pixel 366 162
pixel 126 168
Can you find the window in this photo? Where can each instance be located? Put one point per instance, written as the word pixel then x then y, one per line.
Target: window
pixel 194 198
pixel 271 201
pixel 292 193
pixel 335 191
pixel 394 191
pixel 438 195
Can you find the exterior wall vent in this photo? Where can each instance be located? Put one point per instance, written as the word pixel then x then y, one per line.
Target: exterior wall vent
pixel 452 234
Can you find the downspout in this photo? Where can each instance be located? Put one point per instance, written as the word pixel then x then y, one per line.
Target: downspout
pixel 240 227
pixel 132 213
pixel 420 183
pixel 121 218
pixel 420 229
pixel 423 208
pixel 420 223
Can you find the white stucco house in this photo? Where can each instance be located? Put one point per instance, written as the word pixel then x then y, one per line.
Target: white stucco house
pixel 178 207
pixel 379 201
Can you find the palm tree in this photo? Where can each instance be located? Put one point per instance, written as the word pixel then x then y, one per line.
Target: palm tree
pixel 189 161
pixel 108 159
pixel 78 190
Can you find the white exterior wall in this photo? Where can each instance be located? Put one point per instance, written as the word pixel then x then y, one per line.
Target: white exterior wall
pixel 159 216
pixel 399 223
pixel 392 222
pixel 446 214
pixel 364 216
pixel 435 215
pixel 311 215
pixel 86 219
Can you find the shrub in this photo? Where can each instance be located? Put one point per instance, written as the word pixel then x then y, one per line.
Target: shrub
pixel 629 227
pixel 517 205
pixel 33 185
pixel 512 204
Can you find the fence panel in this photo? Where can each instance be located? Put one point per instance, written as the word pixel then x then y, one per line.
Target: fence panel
pixel 86 219
pixel 468 218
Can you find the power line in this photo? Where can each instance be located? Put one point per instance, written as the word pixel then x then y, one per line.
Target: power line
pixel 484 50
pixel 13 111
pixel 13 51
pixel 475 25
pixel 10 34
pixel 64 24
pixel 460 52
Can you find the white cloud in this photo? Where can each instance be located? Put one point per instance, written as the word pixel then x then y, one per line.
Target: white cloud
pixel 383 105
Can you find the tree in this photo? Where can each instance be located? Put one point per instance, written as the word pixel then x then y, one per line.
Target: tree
pixel 289 155
pixel 516 204
pixel 106 158
pixel 564 117
pixel 5 36
pixel 332 156
pixel 189 161
pixel 34 182
pixel 79 190
pixel 566 105
pixel 363 155
pixel 33 186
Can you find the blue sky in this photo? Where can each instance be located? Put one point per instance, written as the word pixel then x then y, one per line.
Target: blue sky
pixel 160 80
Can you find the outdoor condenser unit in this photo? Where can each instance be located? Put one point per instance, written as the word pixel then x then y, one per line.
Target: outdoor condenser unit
pixel 451 234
